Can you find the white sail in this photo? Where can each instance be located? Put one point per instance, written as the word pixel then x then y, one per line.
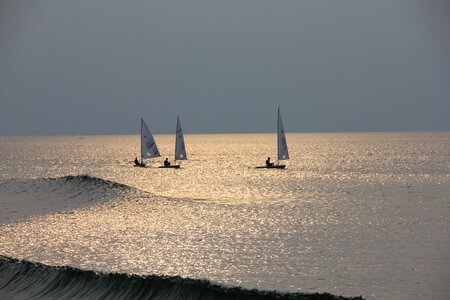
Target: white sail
pixel 180 149
pixel 282 144
pixel 148 145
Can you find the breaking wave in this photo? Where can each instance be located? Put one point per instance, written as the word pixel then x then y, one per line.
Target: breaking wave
pixel 27 280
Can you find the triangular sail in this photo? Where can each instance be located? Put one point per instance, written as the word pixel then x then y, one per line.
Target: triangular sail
pixel 148 145
pixel 282 144
pixel 180 149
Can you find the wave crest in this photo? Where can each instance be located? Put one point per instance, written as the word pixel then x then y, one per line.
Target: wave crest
pixel 86 179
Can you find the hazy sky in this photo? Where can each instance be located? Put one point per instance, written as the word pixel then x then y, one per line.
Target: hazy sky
pixel 98 66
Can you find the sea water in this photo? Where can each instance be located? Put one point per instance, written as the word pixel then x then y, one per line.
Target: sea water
pixel 352 214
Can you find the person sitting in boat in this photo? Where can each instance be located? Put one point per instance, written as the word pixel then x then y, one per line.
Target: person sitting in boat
pixel 268 163
pixel 166 162
pixel 136 162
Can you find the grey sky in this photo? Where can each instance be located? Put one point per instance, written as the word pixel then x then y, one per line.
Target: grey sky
pixel 98 66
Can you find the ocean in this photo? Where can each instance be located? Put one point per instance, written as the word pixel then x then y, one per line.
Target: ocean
pixel 353 214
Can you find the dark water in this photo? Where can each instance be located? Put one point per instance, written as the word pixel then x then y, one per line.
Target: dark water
pixel 27 280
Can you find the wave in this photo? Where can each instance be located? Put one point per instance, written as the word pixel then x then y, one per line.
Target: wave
pixel 88 179
pixel 22 198
pixel 28 280
pixel 67 184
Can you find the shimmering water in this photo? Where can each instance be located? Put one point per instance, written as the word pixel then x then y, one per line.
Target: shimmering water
pixel 352 214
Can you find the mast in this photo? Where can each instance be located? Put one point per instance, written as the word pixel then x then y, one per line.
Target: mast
pixel 142 140
pixel 176 140
pixel 278 136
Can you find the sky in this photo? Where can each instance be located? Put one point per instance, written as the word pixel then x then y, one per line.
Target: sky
pixel 98 66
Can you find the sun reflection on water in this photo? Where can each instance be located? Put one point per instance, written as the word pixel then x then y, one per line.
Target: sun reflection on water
pixel 343 217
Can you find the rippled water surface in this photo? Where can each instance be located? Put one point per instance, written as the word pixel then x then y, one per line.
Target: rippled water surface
pixel 352 214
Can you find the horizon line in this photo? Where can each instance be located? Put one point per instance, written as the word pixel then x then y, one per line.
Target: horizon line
pixel 234 133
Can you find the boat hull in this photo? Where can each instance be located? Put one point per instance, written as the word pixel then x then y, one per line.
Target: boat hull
pixel 272 167
pixel 170 167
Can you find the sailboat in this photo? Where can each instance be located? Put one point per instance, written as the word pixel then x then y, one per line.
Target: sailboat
pixel 180 148
pixel 283 153
pixel 148 145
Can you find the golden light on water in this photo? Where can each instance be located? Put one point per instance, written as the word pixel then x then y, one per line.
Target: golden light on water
pixel 347 207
